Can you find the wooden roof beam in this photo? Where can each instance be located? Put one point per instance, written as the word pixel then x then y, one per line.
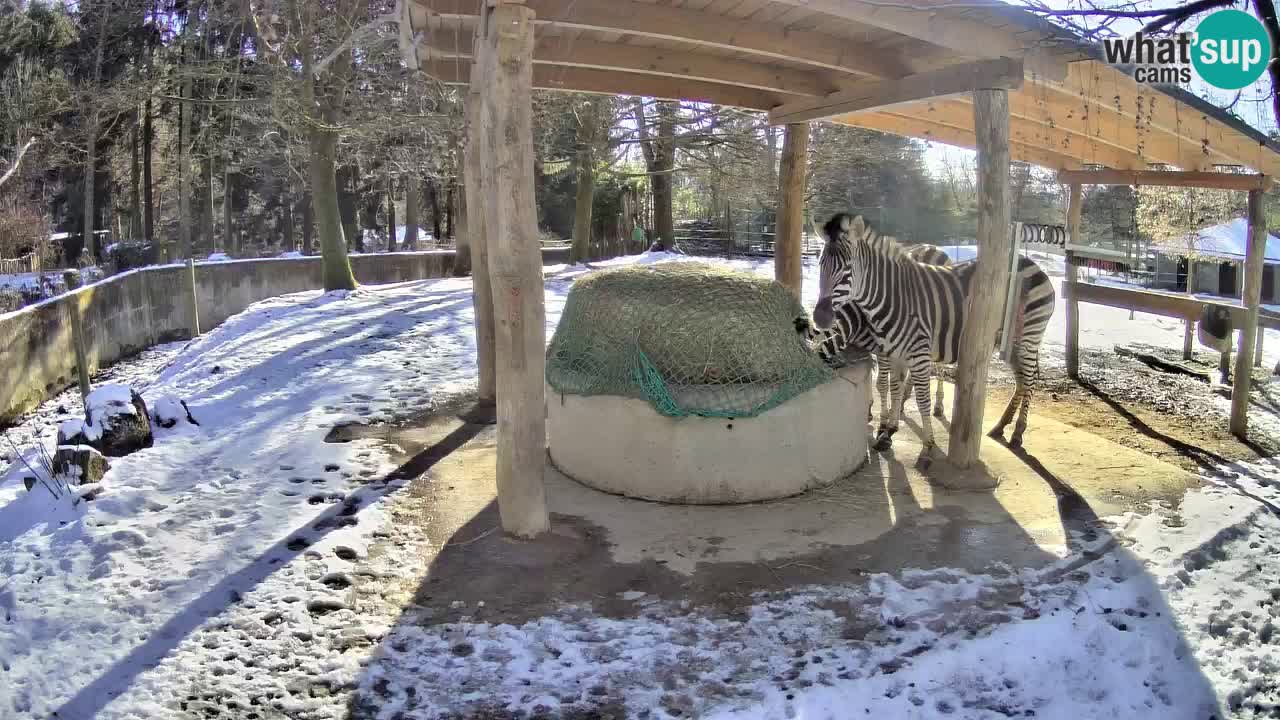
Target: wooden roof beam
pixel 612 82
pixel 693 27
pixel 1167 178
pixel 1003 73
pixel 1062 138
pixel 923 130
pixel 651 61
pixel 1106 89
pixel 923 20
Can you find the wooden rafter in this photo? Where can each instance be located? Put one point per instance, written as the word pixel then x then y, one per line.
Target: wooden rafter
pixel 609 82
pixel 697 28
pixel 1167 178
pixel 922 20
pixel 959 137
pixel 684 64
pixel 1003 73
pixel 958 114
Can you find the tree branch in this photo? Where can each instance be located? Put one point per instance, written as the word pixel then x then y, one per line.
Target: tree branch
pixel 17 161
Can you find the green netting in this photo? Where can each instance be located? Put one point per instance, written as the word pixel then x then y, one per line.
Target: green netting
pixel 690 338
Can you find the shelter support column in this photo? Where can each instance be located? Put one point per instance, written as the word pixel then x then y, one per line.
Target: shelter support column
pixel 788 253
pixel 515 264
pixel 984 303
pixel 1075 206
pixel 1252 296
pixel 474 229
pixel 1189 328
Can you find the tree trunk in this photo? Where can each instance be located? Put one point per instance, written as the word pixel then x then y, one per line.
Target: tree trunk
pixel 206 219
pixel 229 244
pixel 585 177
pixel 308 225
pixel 411 192
pixel 91 141
pixel 448 211
pixel 184 171
pixel 324 188
pixel 286 221
pixel 135 184
pixel 391 214
pixel 148 194
pixel 348 182
pixel 433 199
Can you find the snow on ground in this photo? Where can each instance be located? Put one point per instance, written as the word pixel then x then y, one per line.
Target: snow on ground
pixel 209 575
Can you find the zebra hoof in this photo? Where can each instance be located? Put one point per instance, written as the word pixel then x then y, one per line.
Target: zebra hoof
pixel 938 413
pixel 924 461
pixel 1016 440
pixel 883 441
pixel 996 432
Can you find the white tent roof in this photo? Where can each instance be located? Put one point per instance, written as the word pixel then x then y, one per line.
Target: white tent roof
pixel 1227 241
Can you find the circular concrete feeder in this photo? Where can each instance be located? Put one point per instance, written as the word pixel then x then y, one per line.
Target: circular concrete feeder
pixel 622 445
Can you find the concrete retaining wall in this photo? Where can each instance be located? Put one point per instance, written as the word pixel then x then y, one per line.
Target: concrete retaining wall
pixel 129 312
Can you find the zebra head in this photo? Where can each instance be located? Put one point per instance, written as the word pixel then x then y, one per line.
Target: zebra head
pixel 835 266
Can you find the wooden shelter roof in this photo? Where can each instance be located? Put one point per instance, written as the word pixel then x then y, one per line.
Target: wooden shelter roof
pixel 904 67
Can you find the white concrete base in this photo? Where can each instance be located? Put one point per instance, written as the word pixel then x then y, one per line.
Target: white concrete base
pixel 622 445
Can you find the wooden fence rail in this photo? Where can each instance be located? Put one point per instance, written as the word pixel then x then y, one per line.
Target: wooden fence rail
pixel 17 266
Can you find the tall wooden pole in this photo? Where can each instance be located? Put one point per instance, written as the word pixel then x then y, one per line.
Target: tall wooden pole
pixel 74 309
pixel 1252 296
pixel 983 305
pixel 1075 206
pixel 478 258
pixel 1188 329
pixel 515 265
pixel 788 247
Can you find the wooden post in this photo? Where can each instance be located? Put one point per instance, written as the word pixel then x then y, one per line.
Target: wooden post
pixel 477 233
pixel 1252 296
pixel 1075 206
pixel 193 299
pixel 515 265
pixel 1257 353
pixel 983 303
pixel 787 246
pixel 72 279
pixel 1188 331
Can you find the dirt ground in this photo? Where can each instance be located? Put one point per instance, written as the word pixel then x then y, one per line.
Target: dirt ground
pixel 1166 416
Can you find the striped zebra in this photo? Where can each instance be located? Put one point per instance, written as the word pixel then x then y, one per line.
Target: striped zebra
pixel 852 330
pixel 916 313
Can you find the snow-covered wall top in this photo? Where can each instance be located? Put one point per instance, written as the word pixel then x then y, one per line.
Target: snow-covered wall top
pixel 130 312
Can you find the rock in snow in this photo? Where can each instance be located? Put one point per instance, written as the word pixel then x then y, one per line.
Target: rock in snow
pixel 168 411
pixel 119 417
pixel 80 464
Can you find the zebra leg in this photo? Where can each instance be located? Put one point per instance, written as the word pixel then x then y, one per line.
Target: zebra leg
pixel 891 410
pixel 1028 370
pixel 1014 401
pixel 937 402
pixel 921 363
pixel 884 384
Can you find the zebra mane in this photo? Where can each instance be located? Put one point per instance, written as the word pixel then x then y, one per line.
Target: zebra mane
pixel 843 230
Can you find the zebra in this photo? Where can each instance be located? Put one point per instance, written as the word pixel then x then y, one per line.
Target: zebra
pixel 852 330
pixel 917 311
